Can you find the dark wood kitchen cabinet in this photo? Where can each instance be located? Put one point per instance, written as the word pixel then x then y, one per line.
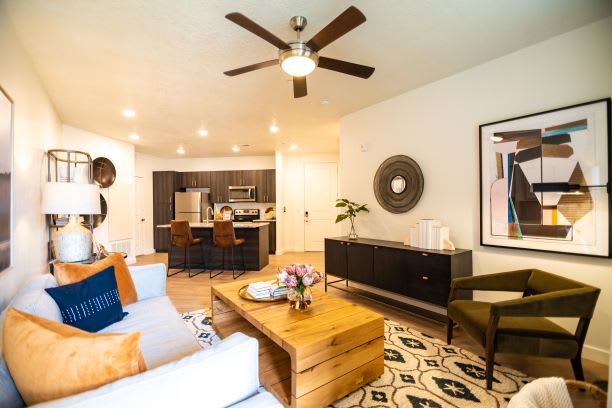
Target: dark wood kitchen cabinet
pixel 417 273
pixel 219 183
pixel 194 179
pixel 165 183
pixel 265 181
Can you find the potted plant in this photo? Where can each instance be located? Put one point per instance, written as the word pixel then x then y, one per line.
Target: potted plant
pixel 351 210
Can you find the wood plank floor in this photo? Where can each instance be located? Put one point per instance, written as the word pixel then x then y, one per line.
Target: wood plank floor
pixel 191 294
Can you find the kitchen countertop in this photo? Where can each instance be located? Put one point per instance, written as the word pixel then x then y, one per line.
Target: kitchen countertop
pixel 265 220
pixel 251 225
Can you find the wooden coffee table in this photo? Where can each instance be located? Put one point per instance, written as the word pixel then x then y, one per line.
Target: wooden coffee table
pixel 306 358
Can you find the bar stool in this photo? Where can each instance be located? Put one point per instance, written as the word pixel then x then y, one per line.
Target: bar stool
pixel 180 236
pixel 224 237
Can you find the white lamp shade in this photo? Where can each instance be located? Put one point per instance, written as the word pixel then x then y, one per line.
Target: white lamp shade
pixel 70 198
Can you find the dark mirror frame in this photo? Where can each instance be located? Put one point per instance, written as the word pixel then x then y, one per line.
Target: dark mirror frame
pixel 409 170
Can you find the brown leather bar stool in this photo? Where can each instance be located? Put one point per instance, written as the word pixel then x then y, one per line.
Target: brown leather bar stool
pixel 180 236
pixel 224 237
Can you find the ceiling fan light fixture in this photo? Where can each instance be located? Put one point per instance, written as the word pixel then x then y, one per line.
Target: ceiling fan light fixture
pixel 298 61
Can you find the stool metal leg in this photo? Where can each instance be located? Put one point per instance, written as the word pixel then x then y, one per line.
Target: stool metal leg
pixel 168 274
pixel 210 271
pixel 234 264
pixel 202 263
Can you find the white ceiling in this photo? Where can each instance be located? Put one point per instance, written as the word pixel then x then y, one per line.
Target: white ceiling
pixel 165 59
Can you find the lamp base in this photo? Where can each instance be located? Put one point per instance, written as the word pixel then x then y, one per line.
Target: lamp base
pixel 73 242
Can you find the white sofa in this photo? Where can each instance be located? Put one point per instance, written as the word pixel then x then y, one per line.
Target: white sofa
pixel 179 372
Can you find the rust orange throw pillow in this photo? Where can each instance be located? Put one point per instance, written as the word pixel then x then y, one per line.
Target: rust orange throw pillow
pixel 50 360
pixel 67 273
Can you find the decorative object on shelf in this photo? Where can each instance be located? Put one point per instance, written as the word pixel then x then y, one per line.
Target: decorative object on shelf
pixel 350 213
pixel 398 184
pixel 104 173
pixel 270 213
pixel 73 242
pixel 299 278
pixel 545 181
pixel 6 164
pixel 98 219
pixel 429 234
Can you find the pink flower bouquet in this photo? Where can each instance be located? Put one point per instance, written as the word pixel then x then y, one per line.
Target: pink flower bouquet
pixel 299 278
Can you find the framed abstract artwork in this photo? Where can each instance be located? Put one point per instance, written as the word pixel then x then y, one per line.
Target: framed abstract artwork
pixel 545 181
pixel 6 163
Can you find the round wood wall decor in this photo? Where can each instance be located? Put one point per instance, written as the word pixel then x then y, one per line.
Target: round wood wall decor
pixel 398 184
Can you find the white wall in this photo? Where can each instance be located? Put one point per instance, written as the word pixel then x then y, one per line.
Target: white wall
pixel 293 197
pixel 119 223
pixel 437 125
pixel 146 165
pixel 36 129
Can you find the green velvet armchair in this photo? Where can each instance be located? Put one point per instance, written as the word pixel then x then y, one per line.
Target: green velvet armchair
pixel 520 326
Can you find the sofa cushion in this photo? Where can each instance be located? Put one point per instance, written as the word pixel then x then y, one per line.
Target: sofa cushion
pixel 164 337
pixel 66 273
pixel 50 360
pixel 91 304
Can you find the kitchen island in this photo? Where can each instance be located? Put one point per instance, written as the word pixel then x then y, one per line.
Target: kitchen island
pixel 256 246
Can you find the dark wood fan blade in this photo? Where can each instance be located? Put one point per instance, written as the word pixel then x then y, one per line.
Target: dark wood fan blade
pixel 299 87
pixel 250 68
pixel 350 68
pixel 248 24
pixel 341 25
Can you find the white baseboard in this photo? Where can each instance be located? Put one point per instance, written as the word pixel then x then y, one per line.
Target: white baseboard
pixel 596 354
pixel 279 252
pixel 148 251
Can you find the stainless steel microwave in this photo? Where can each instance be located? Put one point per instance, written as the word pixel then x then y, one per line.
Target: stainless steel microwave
pixel 239 194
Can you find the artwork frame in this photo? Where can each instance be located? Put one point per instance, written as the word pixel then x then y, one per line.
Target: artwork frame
pixel 562 150
pixel 6 179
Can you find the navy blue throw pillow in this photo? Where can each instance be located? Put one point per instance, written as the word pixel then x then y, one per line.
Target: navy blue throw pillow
pixel 91 304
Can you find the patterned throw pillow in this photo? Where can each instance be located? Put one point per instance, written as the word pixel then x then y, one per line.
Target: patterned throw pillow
pixel 91 304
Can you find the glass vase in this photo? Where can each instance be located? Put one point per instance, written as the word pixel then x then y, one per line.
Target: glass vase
pixel 300 299
pixel 353 233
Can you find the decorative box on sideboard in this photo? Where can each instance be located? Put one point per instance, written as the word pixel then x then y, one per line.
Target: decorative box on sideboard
pixel 421 274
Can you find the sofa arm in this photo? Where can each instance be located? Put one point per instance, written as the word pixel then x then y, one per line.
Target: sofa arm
pixel 150 280
pixel 219 376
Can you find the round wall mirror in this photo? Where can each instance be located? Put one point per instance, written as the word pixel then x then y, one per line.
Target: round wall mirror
pixel 398 184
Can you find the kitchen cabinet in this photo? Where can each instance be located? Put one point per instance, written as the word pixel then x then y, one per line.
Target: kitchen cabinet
pixel 265 180
pixel 165 183
pixel 421 274
pixel 243 178
pixel 219 184
pixel 194 179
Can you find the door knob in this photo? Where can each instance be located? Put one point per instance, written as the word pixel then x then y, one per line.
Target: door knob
pixel 142 219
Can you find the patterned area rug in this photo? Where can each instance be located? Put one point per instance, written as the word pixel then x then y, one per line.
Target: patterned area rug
pixel 420 372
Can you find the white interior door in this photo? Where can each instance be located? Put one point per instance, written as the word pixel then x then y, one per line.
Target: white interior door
pixel 320 193
pixel 139 233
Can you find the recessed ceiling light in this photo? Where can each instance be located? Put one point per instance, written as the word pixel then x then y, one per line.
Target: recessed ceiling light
pixel 274 128
pixel 235 148
pixel 180 150
pixel 128 113
pixel 203 132
pixel 134 136
pixel 293 146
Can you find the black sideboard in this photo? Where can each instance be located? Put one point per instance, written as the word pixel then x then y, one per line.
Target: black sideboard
pixel 417 273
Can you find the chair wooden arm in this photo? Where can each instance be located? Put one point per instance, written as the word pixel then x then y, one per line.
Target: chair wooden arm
pixel 579 302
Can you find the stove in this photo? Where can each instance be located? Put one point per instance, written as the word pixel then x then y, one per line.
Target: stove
pixel 246 215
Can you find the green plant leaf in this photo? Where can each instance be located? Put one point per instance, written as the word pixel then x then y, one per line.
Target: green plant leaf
pixel 341 217
pixel 341 204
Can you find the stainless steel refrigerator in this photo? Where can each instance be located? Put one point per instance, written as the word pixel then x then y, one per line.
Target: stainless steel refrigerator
pixel 191 205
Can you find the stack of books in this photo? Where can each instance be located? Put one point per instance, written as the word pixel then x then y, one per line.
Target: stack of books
pixel 269 289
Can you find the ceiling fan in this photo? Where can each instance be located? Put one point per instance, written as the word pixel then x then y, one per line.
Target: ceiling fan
pixel 299 58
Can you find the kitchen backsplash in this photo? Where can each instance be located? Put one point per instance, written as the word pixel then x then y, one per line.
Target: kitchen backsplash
pixel 251 205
